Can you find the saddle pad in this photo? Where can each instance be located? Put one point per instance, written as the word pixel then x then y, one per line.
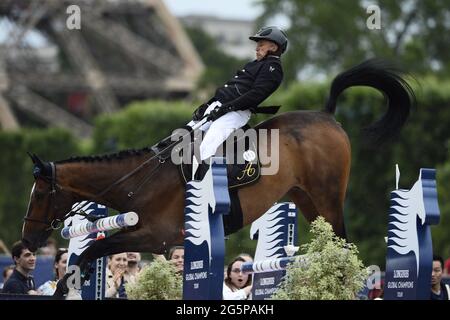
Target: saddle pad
pixel 238 174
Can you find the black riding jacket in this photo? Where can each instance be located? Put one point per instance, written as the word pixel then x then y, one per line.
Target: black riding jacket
pixel 251 85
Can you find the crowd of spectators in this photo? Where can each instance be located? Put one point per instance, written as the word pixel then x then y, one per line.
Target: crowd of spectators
pixel 124 268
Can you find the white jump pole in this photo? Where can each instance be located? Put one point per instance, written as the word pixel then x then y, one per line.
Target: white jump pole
pixel 104 224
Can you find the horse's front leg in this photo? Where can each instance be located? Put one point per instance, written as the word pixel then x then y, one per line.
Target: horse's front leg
pixel 82 269
pixel 123 241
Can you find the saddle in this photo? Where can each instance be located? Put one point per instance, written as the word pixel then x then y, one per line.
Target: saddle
pixel 243 169
pixel 242 158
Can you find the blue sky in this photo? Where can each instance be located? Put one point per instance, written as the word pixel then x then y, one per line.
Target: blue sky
pixel 237 9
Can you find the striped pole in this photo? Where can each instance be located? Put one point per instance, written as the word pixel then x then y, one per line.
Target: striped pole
pixel 272 264
pixel 104 224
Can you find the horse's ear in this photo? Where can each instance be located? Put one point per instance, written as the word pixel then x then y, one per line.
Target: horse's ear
pixel 40 167
pixel 32 156
pixel 38 162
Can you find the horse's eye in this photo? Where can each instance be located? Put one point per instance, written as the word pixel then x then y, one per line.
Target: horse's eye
pixel 41 189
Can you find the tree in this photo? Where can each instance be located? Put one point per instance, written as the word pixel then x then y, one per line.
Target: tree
pixel 219 65
pixel 441 238
pixel 16 178
pixel 331 35
pixel 423 143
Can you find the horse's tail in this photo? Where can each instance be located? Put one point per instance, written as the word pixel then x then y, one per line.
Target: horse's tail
pixel 383 76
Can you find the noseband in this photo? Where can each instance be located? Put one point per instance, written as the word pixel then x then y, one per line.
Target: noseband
pixel 55 223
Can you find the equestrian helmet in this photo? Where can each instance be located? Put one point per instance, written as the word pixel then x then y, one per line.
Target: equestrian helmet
pixel 273 34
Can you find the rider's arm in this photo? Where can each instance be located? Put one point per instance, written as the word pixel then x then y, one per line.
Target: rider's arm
pixel 268 80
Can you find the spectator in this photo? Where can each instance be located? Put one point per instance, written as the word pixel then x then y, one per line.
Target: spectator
pixel 246 256
pixel 377 292
pixel 115 280
pixel 50 249
pixel 447 267
pixel 21 281
pixel 237 286
pixel 133 266
pixel 60 266
pixel 7 272
pixel 439 290
pixel 225 268
pixel 176 256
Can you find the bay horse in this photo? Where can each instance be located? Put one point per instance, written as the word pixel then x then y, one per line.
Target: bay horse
pixel 314 170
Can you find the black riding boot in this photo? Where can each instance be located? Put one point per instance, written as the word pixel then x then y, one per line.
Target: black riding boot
pixel 201 171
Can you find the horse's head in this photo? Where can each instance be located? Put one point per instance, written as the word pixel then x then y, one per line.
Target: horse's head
pixel 47 206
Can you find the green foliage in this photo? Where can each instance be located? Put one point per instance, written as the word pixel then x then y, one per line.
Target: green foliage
pixel 423 142
pixel 441 241
pixel 332 270
pixel 158 281
pixel 16 177
pixel 303 96
pixel 139 125
pixel 219 66
pixel 331 35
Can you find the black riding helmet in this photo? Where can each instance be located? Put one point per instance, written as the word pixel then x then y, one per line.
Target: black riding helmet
pixel 274 34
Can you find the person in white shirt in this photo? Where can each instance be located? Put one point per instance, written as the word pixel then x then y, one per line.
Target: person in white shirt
pixel 237 285
pixel 115 275
pixel 60 265
pixel 176 256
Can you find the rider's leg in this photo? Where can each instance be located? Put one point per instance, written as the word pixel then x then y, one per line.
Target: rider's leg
pixel 216 133
pixel 198 169
pixel 220 130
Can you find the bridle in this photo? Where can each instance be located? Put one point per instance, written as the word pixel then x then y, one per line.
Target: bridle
pixel 56 223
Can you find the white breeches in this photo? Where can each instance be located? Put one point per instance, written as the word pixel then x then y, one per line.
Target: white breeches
pixel 218 131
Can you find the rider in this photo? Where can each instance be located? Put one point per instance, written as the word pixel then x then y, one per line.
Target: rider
pixel 231 106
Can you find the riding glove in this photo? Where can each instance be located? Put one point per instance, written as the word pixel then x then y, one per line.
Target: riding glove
pixel 199 112
pixel 220 111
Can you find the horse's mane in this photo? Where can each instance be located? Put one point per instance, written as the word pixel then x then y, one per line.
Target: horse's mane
pixel 308 116
pixel 124 154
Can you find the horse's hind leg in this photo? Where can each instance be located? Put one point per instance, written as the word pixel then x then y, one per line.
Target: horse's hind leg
pixel 323 177
pixel 304 203
pixel 325 198
pixel 332 210
pixel 310 212
pixel 328 197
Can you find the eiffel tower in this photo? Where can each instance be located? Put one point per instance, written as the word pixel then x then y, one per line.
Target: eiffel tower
pixel 124 50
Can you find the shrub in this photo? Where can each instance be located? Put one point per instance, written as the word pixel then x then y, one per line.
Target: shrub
pixel 158 281
pixel 333 270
